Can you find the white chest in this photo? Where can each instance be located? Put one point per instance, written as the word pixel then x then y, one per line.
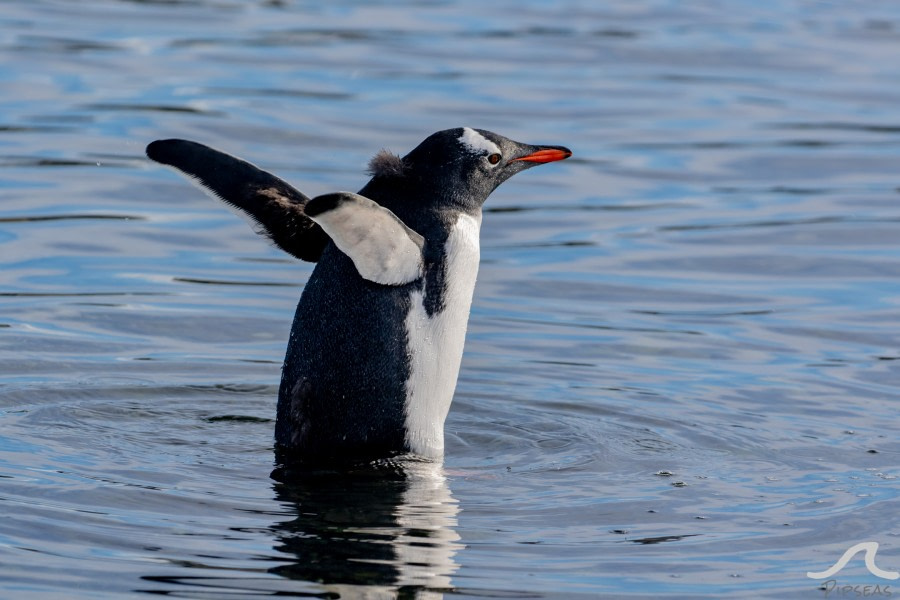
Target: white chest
pixel 436 342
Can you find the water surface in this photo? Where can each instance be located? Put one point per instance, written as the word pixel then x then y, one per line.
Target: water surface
pixel 681 372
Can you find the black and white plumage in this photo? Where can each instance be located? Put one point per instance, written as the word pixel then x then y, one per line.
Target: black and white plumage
pixel 377 339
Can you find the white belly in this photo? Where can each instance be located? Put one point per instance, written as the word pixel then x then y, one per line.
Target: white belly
pixel 436 342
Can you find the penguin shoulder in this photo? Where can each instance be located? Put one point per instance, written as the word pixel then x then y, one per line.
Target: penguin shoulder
pixel 383 248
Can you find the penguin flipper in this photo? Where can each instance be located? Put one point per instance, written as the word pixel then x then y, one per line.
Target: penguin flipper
pixel 381 246
pixel 273 204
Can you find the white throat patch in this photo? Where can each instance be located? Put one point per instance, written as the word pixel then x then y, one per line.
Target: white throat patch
pixel 435 343
pixel 477 143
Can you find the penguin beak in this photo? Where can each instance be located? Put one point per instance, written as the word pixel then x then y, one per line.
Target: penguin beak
pixel 545 154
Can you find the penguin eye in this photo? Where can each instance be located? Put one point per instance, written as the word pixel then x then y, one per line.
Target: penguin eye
pixel 494 158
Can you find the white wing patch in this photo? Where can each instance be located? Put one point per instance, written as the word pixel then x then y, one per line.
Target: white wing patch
pixel 477 143
pixel 435 343
pixel 383 249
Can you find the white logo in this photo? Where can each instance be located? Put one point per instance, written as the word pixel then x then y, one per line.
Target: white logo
pixel 870 548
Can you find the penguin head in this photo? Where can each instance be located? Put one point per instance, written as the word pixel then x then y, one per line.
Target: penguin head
pixel 461 167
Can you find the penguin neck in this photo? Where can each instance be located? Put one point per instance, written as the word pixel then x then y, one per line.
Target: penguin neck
pixel 422 207
pixel 436 332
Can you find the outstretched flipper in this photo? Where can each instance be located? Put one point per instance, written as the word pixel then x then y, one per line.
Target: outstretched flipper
pixel 383 249
pixel 272 203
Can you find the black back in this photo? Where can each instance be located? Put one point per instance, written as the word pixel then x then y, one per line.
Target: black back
pixel 342 391
pixel 343 383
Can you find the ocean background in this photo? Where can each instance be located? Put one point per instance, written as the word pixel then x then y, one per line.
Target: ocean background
pixel 681 377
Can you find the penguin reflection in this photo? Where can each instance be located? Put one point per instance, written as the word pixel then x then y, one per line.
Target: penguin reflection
pixel 369 531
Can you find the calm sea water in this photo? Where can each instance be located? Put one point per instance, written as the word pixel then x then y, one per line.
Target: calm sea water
pixel 681 377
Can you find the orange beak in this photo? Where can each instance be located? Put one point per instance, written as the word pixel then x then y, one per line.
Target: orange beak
pixel 546 155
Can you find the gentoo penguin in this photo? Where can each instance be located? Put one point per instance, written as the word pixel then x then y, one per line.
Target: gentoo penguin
pixel 377 339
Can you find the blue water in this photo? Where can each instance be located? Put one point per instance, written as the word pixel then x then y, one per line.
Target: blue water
pixel 681 375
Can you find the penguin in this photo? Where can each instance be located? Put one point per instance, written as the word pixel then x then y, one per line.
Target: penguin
pixel 377 338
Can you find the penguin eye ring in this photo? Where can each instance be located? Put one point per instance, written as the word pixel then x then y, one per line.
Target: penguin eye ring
pixel 494 158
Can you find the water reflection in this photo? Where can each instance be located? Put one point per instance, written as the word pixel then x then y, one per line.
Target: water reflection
pixel 379 530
